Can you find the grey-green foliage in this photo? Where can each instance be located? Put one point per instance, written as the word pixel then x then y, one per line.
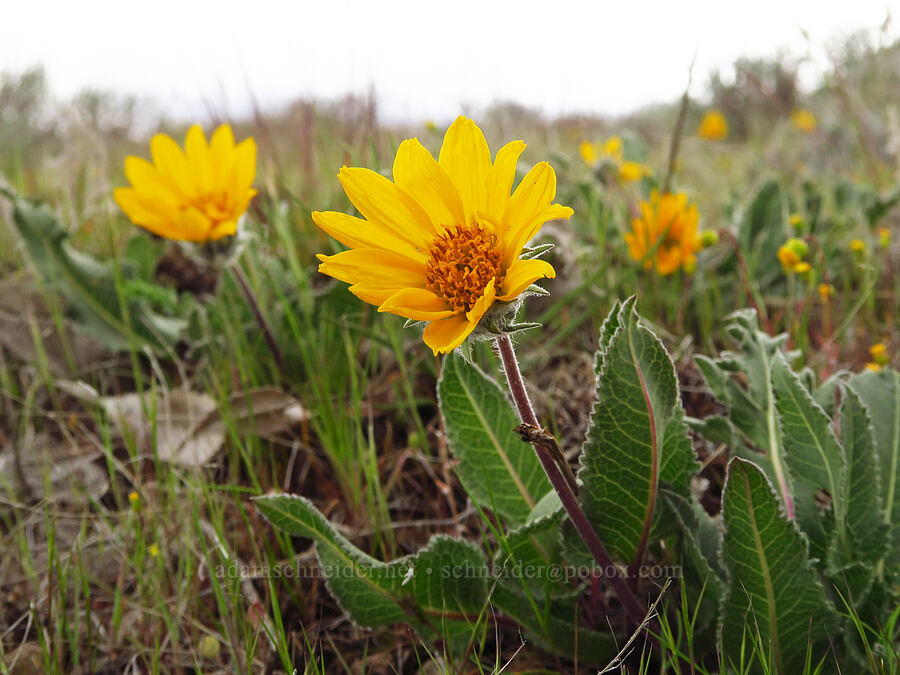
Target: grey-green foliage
pixel 447 576
pixel 880 392
pixel 774 597
pixel 498 470
pixel 94 301
pixel 637 437
pixel 742 380
pixel 762 229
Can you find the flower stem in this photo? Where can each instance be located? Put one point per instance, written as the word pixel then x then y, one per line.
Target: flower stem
pixel 636 613
pixel 257 314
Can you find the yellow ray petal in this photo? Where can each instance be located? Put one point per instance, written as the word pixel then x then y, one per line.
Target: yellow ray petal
pixel 419 175
pixel 375 267
pixel 445 335
pixel 143 214
pixel 522 234
pixel 483 303
pixel 192 225
pixel 358 233
pixel 501 177
pixel 225 228
pixel 386 205
pixel 521 275
pixel 197 152
pixel 150 183
pixel 244 165
pixel 222 156
pixel 466 158
pixel 418 304
pixel 171 162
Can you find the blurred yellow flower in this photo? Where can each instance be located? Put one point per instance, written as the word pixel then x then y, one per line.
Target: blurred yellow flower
pixel 826 291
pixel 154 550
pixel 874 367
pixel 857 245
pixel 197 195
pixel 804 120
pixel 431 125
pixel 791 253
pixel 442 242
pixel 802 268
pixel 588 152
pixel 884 237
pixel 796 221
pixel 713 126
pixel 665 234
pixel 611 151
pixel 632 171
pixel 879 353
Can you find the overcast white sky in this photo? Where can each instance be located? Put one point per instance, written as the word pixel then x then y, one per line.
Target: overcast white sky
pixel 424 59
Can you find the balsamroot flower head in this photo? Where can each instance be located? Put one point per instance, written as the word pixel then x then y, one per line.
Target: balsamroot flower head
pixel 611 153
pixel 804 120
pixel 442 242
pixel 713 126
pixel 196 195
pixel 665 235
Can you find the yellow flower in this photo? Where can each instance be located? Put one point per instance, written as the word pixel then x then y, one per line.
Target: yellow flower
pixel 804 120
pixel 884 237
pixel 787 257
pixel 665 234
pixel 197 195
pixel 713 126
pixel 857 245
pixel 611 152
pixel 802 268
pixel 154 550
pixel 588 152
pixel 441 243
pixel 879 353
pixel 825 292
pixel 431 125
pixel 796 221
pixel 874 367
pixel 632 171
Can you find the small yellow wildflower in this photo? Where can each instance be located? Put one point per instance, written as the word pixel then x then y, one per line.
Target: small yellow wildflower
pixel 632 171
pixel 826 291
pixel 154 550
pixel 802 268
pixel 431 125
pixel 804 120
pixel 713 126
pixel 787 257
pixel 874 367
pixel 796 221
pixel 588 152
pixel 884 237
pixel 193 195
pixel 442 242
pixel 134 499
pixel 879 353
pixel 665 234
pixel 857 245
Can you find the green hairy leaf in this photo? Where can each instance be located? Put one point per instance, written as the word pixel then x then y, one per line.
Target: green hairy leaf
pixel 773 596
pixel 743 382
pixel 368 589
pixel 880 392
pixel 867 532
pixel 88 285
pixel 498 470
pixel 631 445
pixel 446 576
pixel 815 460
